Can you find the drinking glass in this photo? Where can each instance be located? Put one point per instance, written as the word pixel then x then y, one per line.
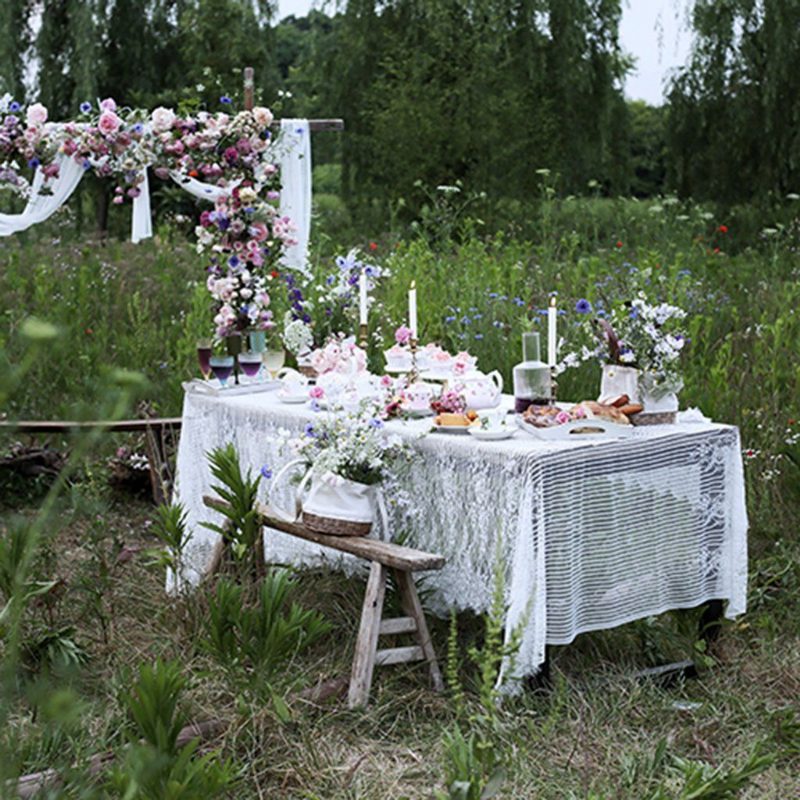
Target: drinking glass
pixel 274 361
pixel 203 356
pixel 250 364
pixel 222 367
pixel 258 341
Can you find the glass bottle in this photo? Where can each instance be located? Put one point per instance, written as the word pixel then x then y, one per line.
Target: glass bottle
pixel 531 376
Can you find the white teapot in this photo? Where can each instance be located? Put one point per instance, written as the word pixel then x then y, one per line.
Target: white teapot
pixel 295 385
pixel 479 390
pixel 418 396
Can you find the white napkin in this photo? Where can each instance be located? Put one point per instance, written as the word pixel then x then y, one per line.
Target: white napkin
pixel 692 416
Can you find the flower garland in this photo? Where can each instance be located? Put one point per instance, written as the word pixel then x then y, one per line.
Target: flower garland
pixel 243 236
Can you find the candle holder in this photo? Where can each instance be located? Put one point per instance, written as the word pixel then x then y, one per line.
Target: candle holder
pixel 363 336
pixel 553 387
pixel 413 375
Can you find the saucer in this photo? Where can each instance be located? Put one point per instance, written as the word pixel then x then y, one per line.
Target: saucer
pixel 491 435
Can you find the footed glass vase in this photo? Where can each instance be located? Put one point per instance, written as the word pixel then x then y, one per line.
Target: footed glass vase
pixel 532 379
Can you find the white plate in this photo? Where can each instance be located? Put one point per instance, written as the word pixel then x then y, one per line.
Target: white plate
pixel 418 413
pixel 294 399
pixel 451 428
pixel 491 435
pixel 578 429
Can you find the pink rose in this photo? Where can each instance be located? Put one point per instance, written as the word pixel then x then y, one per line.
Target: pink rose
pixel 316 393
pixel 108 104
pixel 37 114
pixel 50 171
pixel 162 119
pixel 69 148
pixel 263 116
pixel 109 123
pixel 259 231
pixel 562 417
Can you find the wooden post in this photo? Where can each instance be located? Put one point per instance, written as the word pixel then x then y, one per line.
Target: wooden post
pixel 249 89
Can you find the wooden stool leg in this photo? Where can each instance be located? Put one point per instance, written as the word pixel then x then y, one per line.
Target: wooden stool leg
pixel 412 606
pixel 367 642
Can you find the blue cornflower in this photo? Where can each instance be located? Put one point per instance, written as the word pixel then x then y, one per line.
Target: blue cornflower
pixel 449 319
pixel 583 306
pixel 328 312
pixel 633 270
pixel 477 316
pixel 493 295
pixel 684 273
pixel 600 312
pixel 497 324
pixel 503 297
pixel 465 320
pixel 479 336
pixel 309 430
pixel 518 301
pixel 315 406
pixel 473 309
pixel 14 106
pixel 233 262
pixel 376 423
pixel 329 280
pixel 542 312
pixel 245 309
pixel 634 313
pixel 266 472
pixel 138 128
pixel 34 162
pixel 85 107
pixel 225 100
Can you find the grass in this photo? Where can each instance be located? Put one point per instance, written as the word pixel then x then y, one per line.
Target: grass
pixel 599 734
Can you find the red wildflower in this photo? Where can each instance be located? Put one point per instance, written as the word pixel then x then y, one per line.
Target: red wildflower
pixel 88 331
pixel 750 453
pixel 716 251
pixel 273 274
pixel 619 244
pixel 373 246
pixel 790 422
pixel 193 173
pixel 723 229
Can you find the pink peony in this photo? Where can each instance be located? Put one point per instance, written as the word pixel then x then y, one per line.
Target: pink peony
pixel 259 231
pixel 37 114
pixel 109 123
pixel 403 335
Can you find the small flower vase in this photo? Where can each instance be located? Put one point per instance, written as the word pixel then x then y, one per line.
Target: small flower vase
pixel 659 396
pixel 616 381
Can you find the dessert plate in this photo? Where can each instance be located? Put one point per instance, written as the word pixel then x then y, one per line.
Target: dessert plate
pixel 451 428
pixel 578 429
pixel 491 435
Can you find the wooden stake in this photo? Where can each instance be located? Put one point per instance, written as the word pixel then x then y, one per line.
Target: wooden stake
pixel 249 89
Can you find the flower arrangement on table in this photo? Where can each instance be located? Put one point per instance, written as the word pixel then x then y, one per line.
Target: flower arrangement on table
pixel 637 334
pixel 340 354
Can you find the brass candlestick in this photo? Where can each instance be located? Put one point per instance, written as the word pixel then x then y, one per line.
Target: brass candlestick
pixel 413 375
pixel 363 336
pixel 553 387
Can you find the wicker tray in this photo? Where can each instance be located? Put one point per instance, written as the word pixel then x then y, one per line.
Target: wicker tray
pixel 654 418
pixel 336 527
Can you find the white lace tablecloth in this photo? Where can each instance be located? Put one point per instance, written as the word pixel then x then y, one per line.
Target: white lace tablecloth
pixel 590 534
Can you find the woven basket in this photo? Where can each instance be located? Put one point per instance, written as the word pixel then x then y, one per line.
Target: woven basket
pixel 335 527
pixel 654 418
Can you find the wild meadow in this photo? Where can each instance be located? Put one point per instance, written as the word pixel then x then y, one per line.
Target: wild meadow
pixel 98 659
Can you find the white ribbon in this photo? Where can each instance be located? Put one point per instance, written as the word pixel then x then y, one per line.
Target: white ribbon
pixel 42 206
pixel 142 224
pixel 295 203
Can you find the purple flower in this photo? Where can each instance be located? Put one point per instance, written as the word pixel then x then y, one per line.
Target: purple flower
pixel 266 472
pixel 583 306
pixel 376 423
pixel 315 406
pixel 225 100
pixel 449 319
pixel 309 430
pixel 479 336
pixel 85 107
pixel 233 262
pixel 34 162
pixel 518 301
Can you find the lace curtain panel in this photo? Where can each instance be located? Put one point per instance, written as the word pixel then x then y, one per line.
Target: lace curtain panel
pixel 589 535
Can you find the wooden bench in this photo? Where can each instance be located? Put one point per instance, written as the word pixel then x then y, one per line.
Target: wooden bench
pixel 385 558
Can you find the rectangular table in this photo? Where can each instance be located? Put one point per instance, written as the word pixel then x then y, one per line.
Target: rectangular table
pixel 590 534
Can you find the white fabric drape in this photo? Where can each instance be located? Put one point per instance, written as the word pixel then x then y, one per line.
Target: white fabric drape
pixel 203 191
pixel 295 164
pixel 142 223
pixel 42 206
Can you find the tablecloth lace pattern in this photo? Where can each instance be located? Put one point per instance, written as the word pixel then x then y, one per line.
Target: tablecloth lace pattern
pixel 590 536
